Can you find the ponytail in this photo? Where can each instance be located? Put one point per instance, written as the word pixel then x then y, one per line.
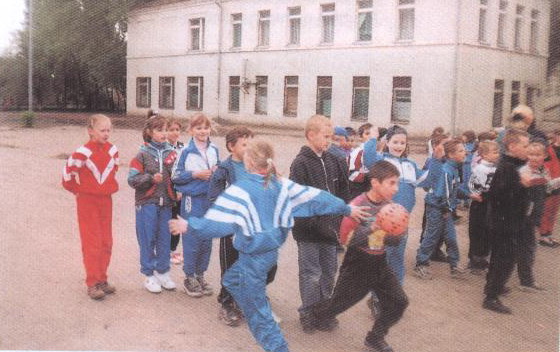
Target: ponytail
pixel 261 155
pixel 270 171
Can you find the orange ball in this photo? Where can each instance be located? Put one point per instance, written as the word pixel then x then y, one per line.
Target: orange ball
pixel 393 219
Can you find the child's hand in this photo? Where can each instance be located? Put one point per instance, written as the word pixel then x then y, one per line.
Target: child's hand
pixel 179 196
pixel 359 213
pixel 525 179
pixel 158 178
pixel 203 174
pixel 178 226
pixel 476 197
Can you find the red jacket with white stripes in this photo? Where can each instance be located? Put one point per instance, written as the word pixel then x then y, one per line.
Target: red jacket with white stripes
pixel 91 169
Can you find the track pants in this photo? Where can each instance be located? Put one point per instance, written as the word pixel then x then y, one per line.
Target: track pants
pixel 551 206
pixel 152 231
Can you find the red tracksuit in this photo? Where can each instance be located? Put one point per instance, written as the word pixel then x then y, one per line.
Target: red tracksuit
pixel 90 175
pixel 552 203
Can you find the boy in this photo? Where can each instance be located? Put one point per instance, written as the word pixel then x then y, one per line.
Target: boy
pixel 479 184
pixel 365 268
pixel 227 172
pixel 357 171
pixel 317 237
pixel 339 145
pixel 441 202
pixel 509 204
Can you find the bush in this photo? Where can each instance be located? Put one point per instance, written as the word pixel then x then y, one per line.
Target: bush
pixel 28 119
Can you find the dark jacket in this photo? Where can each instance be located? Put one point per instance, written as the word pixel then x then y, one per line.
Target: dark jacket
pixel 221 178
pixel 329 173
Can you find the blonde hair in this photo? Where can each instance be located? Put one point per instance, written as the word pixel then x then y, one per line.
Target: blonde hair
pixel 538 145
pixel 261 155
pixel 95 119
pixel 485 147
pixel 315 123
pixel 522 110
pixel 199 119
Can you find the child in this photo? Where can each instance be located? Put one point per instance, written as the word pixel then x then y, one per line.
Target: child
pixel 317 237
pixel 173 133
pixel 226 174
pixel 509 204
pixel 90 175
pixel 339 145
pixel 395 151
pixel 357 171
pixel 191 175
pixel 482 137
pixel 353 139
pixel 439 222
pixel 479 184
pixel 552 203
pixel 259 210
pixel 364 268
pixel 469 140
pixel 150 176
pixel 435 132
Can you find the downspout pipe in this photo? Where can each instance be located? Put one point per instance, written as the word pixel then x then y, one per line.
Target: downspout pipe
pixel 454 101
pixel 220 39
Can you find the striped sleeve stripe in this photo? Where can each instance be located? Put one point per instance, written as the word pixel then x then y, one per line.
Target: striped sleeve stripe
pixel 85 151
pixel 237 192
pixel 302 197
pixel 422 177
pixel 225 217
pixel 74 162
pixel 280 208
pixel 223 202
pixel 113 151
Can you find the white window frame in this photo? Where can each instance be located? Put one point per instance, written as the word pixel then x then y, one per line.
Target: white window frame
pixel 198 83
pixel 405 7
pixel 263 29
pixel 320 88
pixel 196 45
pixel 534 32
pixel 234 87
pixel 294 25
pixel 356 88
pixel 236 30
pixel 328 11
pixel 498 111
pixel 261 107
pixel 518 27
pixel 502 23
pixel 166 82
pixel 143 85
pixel 291 83
pixel 483 22
pixel 364 7
pixel 396 91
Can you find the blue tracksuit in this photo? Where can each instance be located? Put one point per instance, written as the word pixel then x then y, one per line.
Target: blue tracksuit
pixel 260 216
pixel 194 202
pixel 410 176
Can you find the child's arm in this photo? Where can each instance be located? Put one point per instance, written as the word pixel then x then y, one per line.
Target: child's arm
pixel 179 175
pixel 218 183
pixel 347 227
pixel 137 178
pixel 442 192
pixel 298 172
pixel 371 156
pixel 71 170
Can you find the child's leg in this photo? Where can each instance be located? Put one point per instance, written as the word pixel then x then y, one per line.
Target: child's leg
pixel 146 230
pixel 395 257
pixel 246 281
pixel 89 223
pixel 204 249
pixel 451 242
pixel 433 233
pixel 552 204
pixel 228 256
pixel 175 211
pixel 163 240
pixel 502 263
pixel 328 260
pixel 526 258
pixel 106 235
pixel 311 280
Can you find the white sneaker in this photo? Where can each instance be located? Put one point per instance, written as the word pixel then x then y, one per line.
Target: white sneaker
pixel 165 280
pixel 152 284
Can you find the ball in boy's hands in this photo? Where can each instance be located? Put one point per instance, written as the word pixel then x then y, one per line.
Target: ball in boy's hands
pixel 393 219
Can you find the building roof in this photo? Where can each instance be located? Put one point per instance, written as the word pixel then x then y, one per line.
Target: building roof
pixel 154 3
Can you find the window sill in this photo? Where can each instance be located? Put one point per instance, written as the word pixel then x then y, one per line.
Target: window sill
pixel 166 107
pixel 261 113
pixel 235 48
pixel 404 41
pixel 292 45
pixel 362 42
pixel 483 43
pixel 502 46
pixel 326 44
pixel 193 109
pixel 290 115
pixel 262 47
pixel 400 122
pixel 192 51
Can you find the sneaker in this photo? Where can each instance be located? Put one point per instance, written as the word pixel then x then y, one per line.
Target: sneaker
pixel 496 306
pixel 229 316
pixel 377 345
pixel 207 290
pixel 176 258
pixel 106 288
pixel 548 242
pixel 276 318
pixel 152 284
pixel 457 272
pixel 307 321
pixel 165 280
pixel 326 325
pixel 423 272
pixel 192 287
pixel 95 293
pixel 534 288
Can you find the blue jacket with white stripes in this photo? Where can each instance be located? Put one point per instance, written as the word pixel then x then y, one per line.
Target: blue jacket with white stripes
pixel 260 215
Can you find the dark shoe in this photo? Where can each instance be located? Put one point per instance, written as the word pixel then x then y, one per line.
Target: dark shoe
pixel 505 291
pixel 377 345
pixel 107 288
pixel 439 256
pixel 496 306
pixel 95 293
pixel 534 288
pixel 549 242
pixel 230 316
pixel 326 325
pixel 308 322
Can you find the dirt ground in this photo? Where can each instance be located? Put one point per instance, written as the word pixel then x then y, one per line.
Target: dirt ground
pixel 44 306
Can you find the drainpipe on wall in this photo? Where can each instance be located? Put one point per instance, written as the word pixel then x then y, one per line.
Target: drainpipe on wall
pixel 454 102
pixel 219 73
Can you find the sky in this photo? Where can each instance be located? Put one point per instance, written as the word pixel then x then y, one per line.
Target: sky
pixel 11 19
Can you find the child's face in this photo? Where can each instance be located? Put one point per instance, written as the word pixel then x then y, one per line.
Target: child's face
pixel 338 140
pixel 239 148
pixel 459 154
pixel 397 145
pixel 366 136
pixel 173 133
pixel 100 131
pixel 439 152
pixel 320 140
pixel 491 155
pixel 535 157
pixel 354 141
pixel 556 139
pixel 520 149
pixel 159 135
pixel 387 188
pixel 200 132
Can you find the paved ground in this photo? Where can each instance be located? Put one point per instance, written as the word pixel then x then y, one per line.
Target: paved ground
pixel 44 306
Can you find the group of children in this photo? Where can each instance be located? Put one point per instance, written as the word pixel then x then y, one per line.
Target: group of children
pixel 337 184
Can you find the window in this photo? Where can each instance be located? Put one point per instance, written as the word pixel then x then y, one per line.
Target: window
pixel 197 33
pixel 498 108
pixel 518 27
pixel 166 92
pixel 294 17
pixel 364 19
pixel 324 95
pixel 402 99
pixel 261 98
pixel 195 87
pixel 327 22
pixel 406 20
pixel 360 98
pixel 482 21
pixel 531 96
pixel 502 17
pixel 264 28
pixel 515 94
pixel 234 93
pixel 534 35
pixel 143 92
pixel 236 30
pixel 290 95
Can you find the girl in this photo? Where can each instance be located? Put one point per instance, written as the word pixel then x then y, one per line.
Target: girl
pixel 552 202
pixel 150 176
pixel 191 175
pixel 395 151
pixel 90 175
pixel 260 209
pixel 173 133
pixel 469 140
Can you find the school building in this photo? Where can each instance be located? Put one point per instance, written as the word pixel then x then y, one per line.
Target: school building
pixel 420 63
